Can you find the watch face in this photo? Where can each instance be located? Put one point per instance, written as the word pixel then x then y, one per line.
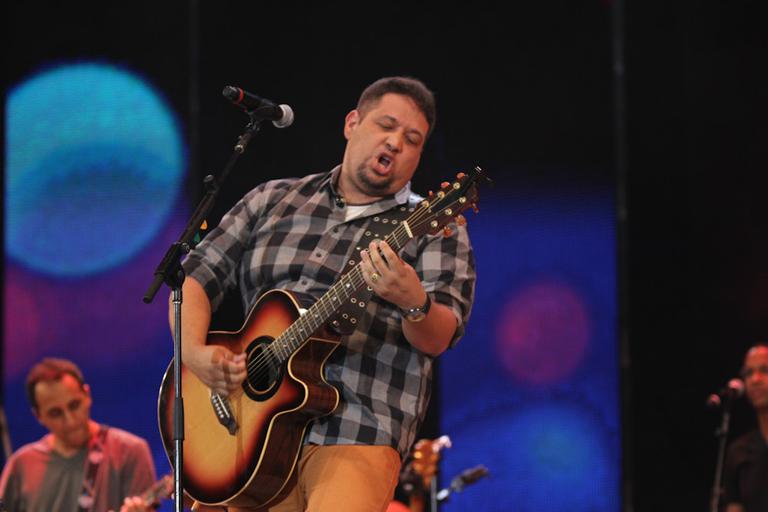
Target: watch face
pixel 418 314
pixel 415 316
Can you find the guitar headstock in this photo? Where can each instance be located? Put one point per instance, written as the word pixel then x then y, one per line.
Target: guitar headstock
pixel 441 208
pixel 426 455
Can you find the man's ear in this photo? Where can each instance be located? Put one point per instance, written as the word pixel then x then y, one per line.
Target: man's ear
pixel 350 123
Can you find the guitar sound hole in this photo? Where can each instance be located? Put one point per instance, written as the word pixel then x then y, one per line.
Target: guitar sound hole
pixel 264 374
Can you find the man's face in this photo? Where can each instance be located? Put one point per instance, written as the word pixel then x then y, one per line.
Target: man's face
pixel 64 408
pixel 755 375
pixel 384 147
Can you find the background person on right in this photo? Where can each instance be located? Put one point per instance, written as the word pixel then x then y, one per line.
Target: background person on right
pixel 746 466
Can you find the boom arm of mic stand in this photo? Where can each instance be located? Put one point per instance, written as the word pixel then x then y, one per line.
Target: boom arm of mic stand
pixel 170 271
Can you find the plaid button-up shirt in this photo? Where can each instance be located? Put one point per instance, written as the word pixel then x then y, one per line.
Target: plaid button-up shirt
pixel 292 234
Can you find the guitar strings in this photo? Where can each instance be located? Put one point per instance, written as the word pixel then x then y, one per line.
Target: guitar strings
pixel 270 356
pixel 270 359
pixel 262 363
pixel 260 366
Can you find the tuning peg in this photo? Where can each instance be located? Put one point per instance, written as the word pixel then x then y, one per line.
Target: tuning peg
pixel 431 194
pixel 461 220
pixel 460 175
pixel 447 231
pixel 475 208
pixel 445 184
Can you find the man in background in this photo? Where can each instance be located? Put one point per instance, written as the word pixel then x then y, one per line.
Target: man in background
pixel 746 467
pixel 80 465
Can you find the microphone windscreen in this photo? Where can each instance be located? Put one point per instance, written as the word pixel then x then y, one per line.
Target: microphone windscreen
pixel 736 387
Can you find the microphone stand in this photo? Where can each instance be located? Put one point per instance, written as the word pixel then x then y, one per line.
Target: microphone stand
pixel 722 434
pixel 170 272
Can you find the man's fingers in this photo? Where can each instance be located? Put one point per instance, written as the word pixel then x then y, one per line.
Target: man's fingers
pixel 379 263
pixel 227 370
pixel 390 256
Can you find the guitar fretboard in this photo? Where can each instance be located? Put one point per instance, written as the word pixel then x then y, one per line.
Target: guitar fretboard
pixel 322 310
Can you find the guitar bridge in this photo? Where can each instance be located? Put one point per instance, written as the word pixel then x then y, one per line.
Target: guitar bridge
pixel 224 412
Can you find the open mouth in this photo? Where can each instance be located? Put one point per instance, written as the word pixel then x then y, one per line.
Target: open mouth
pixel 383 164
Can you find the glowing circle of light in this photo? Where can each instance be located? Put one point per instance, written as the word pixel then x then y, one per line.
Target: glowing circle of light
pixel 545 457
pixel 94 161
pixel 543 333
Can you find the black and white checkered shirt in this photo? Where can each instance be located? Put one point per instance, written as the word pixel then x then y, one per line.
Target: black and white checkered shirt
pixel 292 234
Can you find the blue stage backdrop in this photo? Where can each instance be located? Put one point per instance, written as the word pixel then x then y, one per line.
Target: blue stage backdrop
pixel 93 199
pixel 531 391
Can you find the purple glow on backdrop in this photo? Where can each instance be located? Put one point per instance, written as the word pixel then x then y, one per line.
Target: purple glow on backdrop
pixel 543 333
pixel 98 318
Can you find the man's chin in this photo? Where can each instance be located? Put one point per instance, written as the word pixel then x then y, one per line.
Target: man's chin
pixel 374 181
pixel 760 403
pixel 76 441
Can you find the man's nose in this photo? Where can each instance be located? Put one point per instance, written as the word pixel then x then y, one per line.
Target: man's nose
pixel 69 417
pixel 757 376
pixel 395 142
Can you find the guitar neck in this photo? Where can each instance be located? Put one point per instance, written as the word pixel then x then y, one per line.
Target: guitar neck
pixel 160 490
pixel 322 310
pixel 429 216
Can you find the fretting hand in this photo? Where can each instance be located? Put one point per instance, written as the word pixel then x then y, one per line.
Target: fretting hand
pixel 390 277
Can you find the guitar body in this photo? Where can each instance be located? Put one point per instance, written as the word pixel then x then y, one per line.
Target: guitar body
pixel 254 465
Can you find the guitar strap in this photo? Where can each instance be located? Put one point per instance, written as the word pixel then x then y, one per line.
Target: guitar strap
pixel 95 456
pixel 378 227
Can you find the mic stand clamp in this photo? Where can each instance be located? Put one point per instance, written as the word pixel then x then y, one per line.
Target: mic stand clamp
pixel 170 272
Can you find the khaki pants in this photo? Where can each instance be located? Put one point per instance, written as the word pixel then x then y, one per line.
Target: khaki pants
pixel 341 478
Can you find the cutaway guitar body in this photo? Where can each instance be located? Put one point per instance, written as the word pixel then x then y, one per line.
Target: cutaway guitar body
pixel 253 465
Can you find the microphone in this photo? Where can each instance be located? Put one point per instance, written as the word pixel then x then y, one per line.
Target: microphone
pixel 468 476
pixel 280 115
pixel 734 389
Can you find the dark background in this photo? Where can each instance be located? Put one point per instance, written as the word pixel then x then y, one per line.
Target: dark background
pixel 698 293
pixel 530 87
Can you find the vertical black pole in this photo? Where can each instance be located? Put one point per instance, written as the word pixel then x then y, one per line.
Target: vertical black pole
pixel 193 131
pixel 178 405
pixel 622 254
pixel 722 435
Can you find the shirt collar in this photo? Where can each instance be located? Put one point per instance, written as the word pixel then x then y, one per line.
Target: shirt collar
pixel 400 197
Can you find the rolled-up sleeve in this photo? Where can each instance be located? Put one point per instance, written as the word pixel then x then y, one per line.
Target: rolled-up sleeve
pixel 446 266
pixel 215 262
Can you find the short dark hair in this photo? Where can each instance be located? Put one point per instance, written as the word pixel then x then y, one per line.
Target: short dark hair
pixel 757 344
pixel 406 86
pixel 51 369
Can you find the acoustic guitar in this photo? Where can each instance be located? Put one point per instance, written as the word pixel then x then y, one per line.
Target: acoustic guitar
pixel 242 450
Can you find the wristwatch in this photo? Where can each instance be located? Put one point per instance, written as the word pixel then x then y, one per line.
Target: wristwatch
pixel 417 314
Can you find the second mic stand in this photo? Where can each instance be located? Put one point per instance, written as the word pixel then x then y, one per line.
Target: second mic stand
pixel 170 272
pixel 722 434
